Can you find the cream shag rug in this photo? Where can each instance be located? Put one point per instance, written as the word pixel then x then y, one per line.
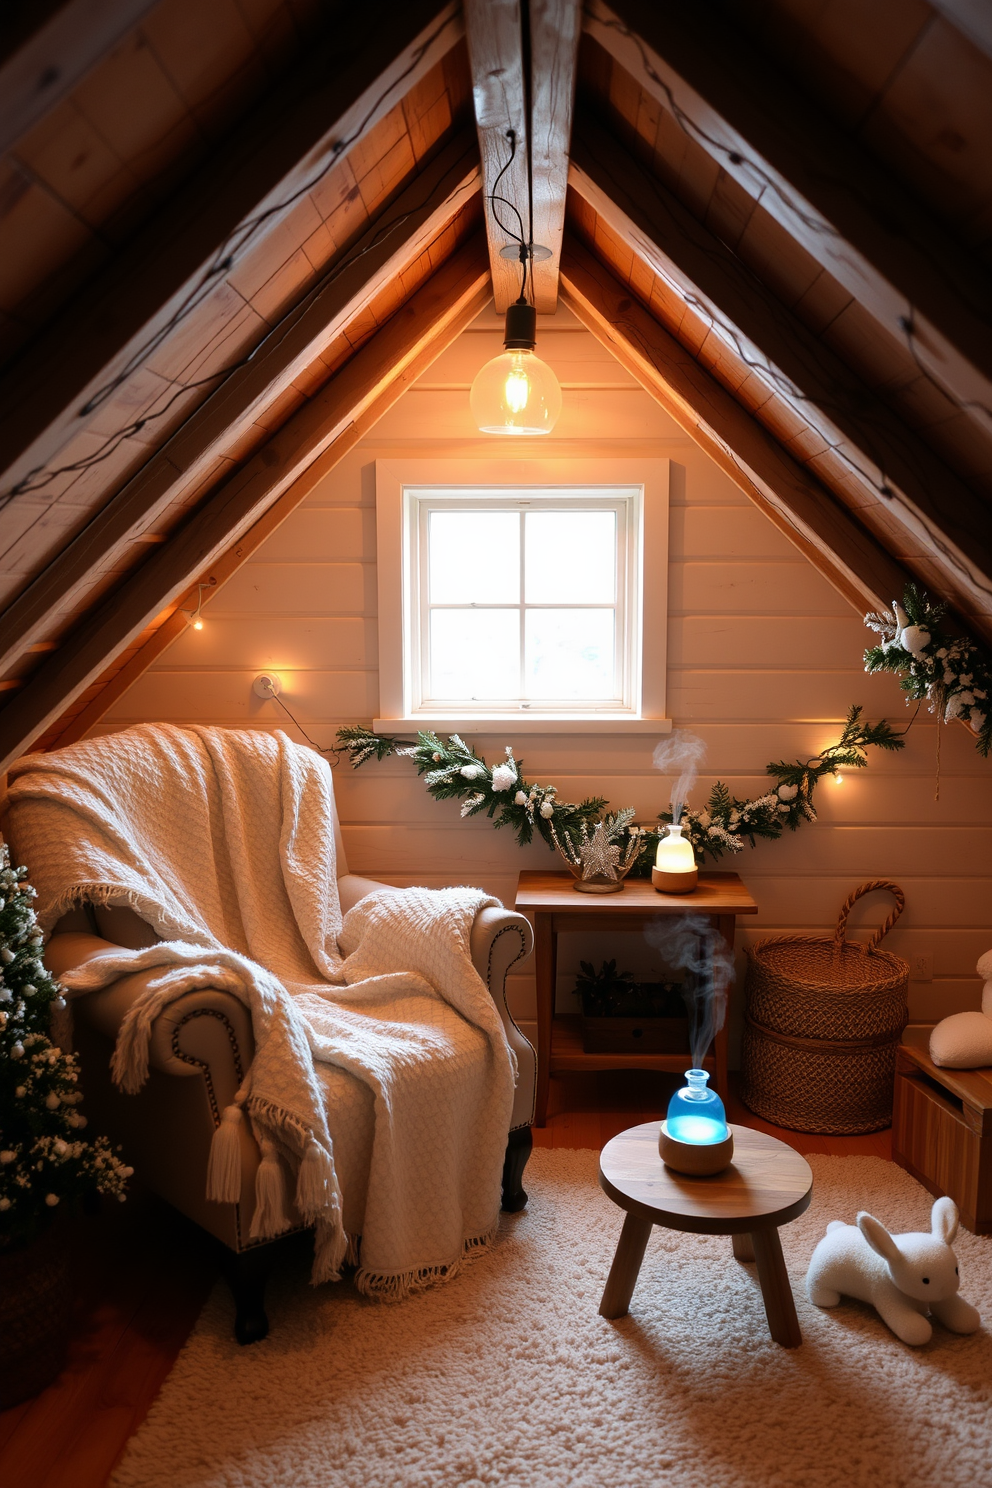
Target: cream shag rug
pixel 508 1375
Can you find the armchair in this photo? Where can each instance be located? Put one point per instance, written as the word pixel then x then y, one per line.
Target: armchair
pixel 201 1048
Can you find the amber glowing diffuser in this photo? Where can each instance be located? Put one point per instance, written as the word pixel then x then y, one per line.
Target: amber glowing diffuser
pixel 674 870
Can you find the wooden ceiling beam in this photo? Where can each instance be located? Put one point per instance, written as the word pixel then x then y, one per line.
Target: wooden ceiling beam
pixel 329 424
pixel 789 495
pixel 429 202
pixel 362 65
pixel 527 85
pixel 844 207
pixel 56 56
pixel 894 464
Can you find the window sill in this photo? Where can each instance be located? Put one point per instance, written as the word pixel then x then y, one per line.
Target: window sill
pixel 524 724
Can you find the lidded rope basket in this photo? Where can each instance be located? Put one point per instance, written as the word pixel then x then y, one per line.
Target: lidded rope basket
pixel 822 1022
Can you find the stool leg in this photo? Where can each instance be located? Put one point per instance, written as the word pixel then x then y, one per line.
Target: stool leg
pixel 780 1307
pixel 626 1264
pixel 743 1249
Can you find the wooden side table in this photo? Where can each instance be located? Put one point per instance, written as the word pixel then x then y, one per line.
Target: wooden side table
pixel 942 1128
pixel 765 1186
pixel 556 906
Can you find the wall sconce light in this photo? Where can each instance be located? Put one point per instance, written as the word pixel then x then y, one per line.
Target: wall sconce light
pixel 193 617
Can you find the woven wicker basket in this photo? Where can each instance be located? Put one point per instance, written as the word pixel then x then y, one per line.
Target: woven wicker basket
pixel 822 1021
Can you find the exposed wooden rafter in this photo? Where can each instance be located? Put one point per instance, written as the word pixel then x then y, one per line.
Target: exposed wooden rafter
pixel 220 530
pixel 241 193
pixel 850 213
pixel 430 201
pixel 895 467
pixel 527 85
pixel 830 537
pixel 57 55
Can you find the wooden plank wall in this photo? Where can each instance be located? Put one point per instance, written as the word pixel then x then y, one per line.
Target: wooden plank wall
pixel 764 659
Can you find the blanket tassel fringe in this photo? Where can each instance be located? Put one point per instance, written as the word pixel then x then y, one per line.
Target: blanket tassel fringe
pixel 395 1286
pixel 224 1162
pixel 270 1217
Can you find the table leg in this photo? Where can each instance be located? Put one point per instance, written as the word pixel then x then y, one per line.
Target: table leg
pixel 743 1249
pixel 726 927
pixel 545 972
pixel 626 1264
pixel 780 1307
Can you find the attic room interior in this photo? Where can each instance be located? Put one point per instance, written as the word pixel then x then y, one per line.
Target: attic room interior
pixel 496 639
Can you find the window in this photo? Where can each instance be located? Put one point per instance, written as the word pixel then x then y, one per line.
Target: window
pixel 504 595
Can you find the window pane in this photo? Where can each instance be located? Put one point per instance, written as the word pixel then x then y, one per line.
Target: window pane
pixel 475 654
pixel 571 557
pixel 474 557
pixel 569 654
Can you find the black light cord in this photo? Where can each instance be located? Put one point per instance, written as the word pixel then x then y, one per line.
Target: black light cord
pixel 223 261
pixel 42 476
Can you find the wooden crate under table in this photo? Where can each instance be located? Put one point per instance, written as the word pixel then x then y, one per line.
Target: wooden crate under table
pixel 942 1128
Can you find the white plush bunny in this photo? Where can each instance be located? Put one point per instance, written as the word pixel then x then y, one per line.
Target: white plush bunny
pixel 964 1040
pixel 903 1276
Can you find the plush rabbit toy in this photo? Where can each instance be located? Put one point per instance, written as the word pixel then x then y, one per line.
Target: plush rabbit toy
pixel 903 1276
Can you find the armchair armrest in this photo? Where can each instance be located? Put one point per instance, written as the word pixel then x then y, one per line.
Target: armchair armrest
pixel 500 938
pixel 205 1031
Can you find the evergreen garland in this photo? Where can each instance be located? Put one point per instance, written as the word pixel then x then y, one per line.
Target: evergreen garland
pixel 43 1159
pixel 453 770
pixel 952 673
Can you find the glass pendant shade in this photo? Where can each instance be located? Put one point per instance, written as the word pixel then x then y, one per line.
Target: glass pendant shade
pixel 516 393
pixel 696 1114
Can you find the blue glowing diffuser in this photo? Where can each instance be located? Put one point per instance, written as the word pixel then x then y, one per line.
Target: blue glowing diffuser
pixel 695 1137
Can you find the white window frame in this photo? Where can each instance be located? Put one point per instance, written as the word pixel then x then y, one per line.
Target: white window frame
pixel 406 489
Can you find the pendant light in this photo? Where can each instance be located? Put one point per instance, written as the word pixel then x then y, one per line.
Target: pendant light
pixel 516 394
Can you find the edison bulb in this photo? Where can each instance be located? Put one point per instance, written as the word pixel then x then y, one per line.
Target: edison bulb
pixel 517 394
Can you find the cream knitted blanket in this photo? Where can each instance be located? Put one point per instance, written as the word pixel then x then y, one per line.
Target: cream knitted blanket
pixel 223 842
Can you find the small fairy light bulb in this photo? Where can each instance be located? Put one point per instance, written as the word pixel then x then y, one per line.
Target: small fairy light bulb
pixel 197 624
pixel 838 779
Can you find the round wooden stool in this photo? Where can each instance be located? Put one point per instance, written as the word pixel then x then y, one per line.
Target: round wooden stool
pixel 765 1186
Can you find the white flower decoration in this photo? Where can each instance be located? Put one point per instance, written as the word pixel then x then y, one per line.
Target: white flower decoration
pixel 547 809
pixel 504 776
pixel 788 792
pixel 520 799
pixel 471 772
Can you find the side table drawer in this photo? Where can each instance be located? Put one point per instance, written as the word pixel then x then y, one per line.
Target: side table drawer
pixel 942 1142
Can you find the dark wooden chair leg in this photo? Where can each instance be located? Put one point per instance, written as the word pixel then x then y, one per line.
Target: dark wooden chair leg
pixel 246 1274
pixel 518 1150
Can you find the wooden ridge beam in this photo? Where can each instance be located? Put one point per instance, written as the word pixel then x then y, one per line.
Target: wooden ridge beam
pixel 428 203
pixel 895 466
pixel 820 527
pixel 843 206
pixel 361 66
pixel 495 54
pixel 54 58
pixel 527 85
pixel 326 426
pixel 555 26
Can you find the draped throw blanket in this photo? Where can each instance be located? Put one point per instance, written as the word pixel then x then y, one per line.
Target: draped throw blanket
pixel 223 842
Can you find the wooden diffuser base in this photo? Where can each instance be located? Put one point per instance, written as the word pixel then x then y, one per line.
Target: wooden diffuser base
pixel 675 883
pixel 697 1159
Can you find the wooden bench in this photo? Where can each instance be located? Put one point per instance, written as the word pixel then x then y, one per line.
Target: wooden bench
pixel 942 1128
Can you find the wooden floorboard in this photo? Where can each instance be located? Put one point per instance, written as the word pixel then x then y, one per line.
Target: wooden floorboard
pixel 143 1274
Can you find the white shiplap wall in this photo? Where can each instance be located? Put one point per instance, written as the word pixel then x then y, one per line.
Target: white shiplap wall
pixel 764 659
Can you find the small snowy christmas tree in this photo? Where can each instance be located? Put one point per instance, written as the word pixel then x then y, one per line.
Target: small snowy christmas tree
pixel 43 1159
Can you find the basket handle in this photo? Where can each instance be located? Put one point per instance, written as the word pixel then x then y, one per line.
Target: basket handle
pixel 866 888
